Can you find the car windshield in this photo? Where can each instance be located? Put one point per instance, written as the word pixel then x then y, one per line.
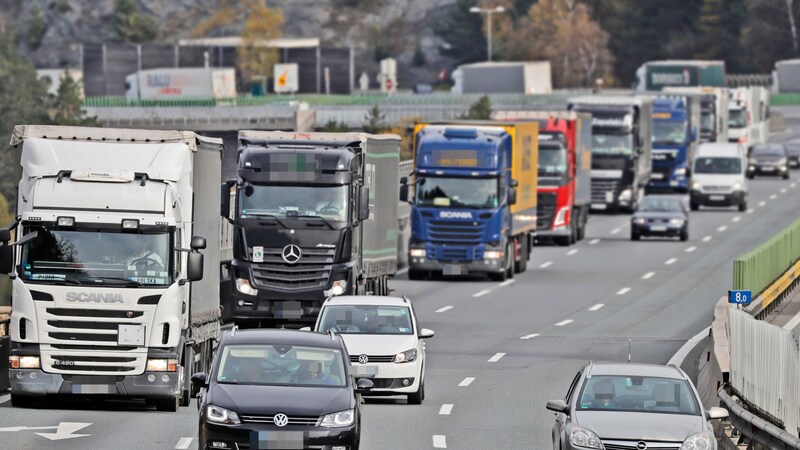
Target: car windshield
pixel 478 193
pixel 97 257
pixel 655 204
pixel 736 118
pixel 768 150
pixel 612 143
pixel 282 364
pixel 638 394
pixel 793 148
pixel 366 319
pixel 328 202
pixel 707 120
pixel 552 161
pixel 715 165
pixel 665 132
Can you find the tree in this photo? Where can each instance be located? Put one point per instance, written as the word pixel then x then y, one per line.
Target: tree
pixel 132 25
pixel 480 110
pixel 263 23
pixel 374 122
pixel 68 104
pixel 462 32
pixel 769 34
pixel 36 28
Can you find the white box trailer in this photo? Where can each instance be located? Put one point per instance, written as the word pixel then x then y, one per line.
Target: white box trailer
pixel 111 294
pixel 181 83
pixel 749 115
pixel 526 78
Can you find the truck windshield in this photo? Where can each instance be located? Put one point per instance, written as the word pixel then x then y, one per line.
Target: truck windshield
pixel 722 166
pixel 97 257
pixel 737 118
pixel 612 143
pixel 328 202
pixel 552 161
pixel 479 193
pixel 707 119
pixel 666 133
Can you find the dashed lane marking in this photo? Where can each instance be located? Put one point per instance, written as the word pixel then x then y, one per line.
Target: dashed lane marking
pixel 596 307
pixel 615 230
pixel 751 211
pixel 545 264
pixel 481 293
pixel 707 238
pixel 736 219
pixel 762 203
pixel 594 241
pixel 783 190
pixel 529 336
pixel 496 357
pixel 691 249
pixel 446 409
pixel 773 197
pixel 506 283
pixel 466 381
pixel 623 291
pixel 670 261
pixel 564 322
pixel 184 443
pixel 572 252
pixel 443 309
pixel 722 228
pixel 648 275
pixel 439 441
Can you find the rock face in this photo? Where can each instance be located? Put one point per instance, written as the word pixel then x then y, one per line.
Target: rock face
pixel 374 28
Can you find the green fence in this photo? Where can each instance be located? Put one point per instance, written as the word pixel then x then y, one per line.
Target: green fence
pixel 758 268
pixel 785 99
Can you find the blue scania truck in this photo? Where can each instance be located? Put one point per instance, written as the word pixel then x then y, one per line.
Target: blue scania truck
pixel 474 198
pixel 676 122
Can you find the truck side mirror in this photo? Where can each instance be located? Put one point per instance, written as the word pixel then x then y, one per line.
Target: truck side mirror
pixel 363 203
pixel 198 243
pixel 6 258
pixel 514 183
pixel 5 235
pixel 512 196
pixel 403 192
pixel 194 266
pixel 225 199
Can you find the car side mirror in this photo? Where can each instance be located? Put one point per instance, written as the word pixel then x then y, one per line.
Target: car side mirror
pixel 715 412
pixel 425 333
pixel 512 196
pixel 364 385
pixel 194 266
pixel 363 203
pixel 559 406
pixel 198 382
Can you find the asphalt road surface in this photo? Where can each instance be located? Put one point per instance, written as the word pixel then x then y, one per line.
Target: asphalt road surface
pixel 501 349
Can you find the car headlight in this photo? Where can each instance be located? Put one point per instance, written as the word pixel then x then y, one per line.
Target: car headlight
pixel 339 419
pixel 493 254
pixel 417 253
pixel 243 286
pixel 24 362
pixel 216 414
pixel 676 221
pixel 696 186
pixel 406 356
pixel 680 171
pixel 640 221
pixel 753 162
pixel 583 438
pixel 162 365
pixel 699 441
pixel 737 186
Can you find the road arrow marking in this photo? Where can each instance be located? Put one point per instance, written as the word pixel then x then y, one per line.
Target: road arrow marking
pixel 64 430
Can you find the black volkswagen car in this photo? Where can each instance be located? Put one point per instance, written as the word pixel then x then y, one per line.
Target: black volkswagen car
pixel 660 215
pixel 280 389
pixel 768 159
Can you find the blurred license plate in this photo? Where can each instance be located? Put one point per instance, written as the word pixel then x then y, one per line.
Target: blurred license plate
pixel 267 440
pixel 716 198
pixel 768 169
pixel 130 334
pixel 289 309
pixel 454 269
pixel 657 176
pixel 658 228
pixel 361 370
pixel 598 206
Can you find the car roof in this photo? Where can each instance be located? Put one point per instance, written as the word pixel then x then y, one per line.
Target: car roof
pixel 281 337
pixel 382 300
pixel 719 149
pixel 635 370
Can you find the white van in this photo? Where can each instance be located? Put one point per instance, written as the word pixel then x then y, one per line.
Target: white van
pixel 718 176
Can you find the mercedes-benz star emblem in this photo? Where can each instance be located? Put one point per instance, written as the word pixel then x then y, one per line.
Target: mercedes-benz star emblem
pixel 641 445
pixel 280 420
pixel 363 359
pixel 291 254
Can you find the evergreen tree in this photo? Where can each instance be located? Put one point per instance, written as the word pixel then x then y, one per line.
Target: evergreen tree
pixel 132 25
pixel 719 32
pixel 480 110
pixel 463 34
pixel 68 104
pixel 36 28
pixel 374 122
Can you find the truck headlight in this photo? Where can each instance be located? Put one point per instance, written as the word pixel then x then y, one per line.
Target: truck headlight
pixel 406 356
pixel 680 172
pixel 243 286
pixel 561 217
pixel 417 253
pixel 162 365
pixel 583 438
pixel 24 362
pixel 700 441
pixel 344 418
pixel 625 195
pixel 493 254
pixel 216 414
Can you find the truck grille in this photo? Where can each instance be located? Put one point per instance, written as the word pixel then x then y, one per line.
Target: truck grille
pixel 454 253
pixel 665 174
pixel 311 271
pixel 546 209
pixel 455 233
pixel 293 420
pixel 633 445
pixel 602 185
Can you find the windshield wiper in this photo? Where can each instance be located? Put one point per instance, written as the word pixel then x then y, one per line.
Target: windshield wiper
pixel 324 220
pixel 127 282
pixel 270 216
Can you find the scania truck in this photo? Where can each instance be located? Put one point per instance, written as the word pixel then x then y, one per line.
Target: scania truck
pixel 621 148
pixel 474 198
pixel 314 215
pixel 111 294
pixel 565 165
pixel 676 120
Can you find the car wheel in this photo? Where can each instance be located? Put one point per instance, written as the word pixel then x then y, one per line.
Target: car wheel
pixel 743 206
pixel 167 404
pixel 750 177
pixel 417 397
pixel 635 236
pixel 786 176
pixel 685 234
pixel 694 206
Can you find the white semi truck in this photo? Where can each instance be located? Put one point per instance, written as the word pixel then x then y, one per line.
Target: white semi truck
pixel 749 116
pixel 111 294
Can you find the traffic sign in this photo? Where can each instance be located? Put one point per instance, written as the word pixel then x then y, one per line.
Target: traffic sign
pixel 740 297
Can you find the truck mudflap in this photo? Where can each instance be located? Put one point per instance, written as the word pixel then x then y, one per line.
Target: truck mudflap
pixel 149 385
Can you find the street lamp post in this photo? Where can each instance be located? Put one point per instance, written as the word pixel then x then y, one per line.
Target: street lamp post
pixel 488 12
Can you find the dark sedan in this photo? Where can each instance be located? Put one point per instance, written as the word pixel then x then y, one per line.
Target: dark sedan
pixel 664 216
pixel 793 150
pixel 768 159
pixel 271 389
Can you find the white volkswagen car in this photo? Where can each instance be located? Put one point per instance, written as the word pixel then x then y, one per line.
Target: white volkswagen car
pixel 383 339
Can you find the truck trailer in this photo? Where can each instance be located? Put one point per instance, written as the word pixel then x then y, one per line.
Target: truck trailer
pixel 748 111
pixel 171 83
pixel 621 148
pixel 656 75
pixel 474 203
pixel 314 216
pixel 111 295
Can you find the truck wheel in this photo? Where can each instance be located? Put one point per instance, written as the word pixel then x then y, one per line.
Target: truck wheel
pixel 522 264
pixel 510 259
pixel 573 232
pixel 416 274
pixel 167 404
pixel 562 240
pixel 581 226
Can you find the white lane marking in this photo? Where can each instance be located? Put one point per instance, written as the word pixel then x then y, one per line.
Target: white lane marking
pixel 762 203
pixel 596 307
pixel 4 398
pixel 466 382
pixel 506 283
pixel 446 409
pixel 545 264
pixel 572 252
pixel 736 219
pixel 722 228
pixel 707 238
pixel 773 197
pixel 751 211
pixel 564 322
pixel 439 441
pixel 783 190
pixel 648 275
pixel 496 357
pixel 623 291
pixel 403 270
pixel 789 326
pixel 443 309
pixel 481 293
pixel 615 230
pixel 529 336
pixel 792 185
pixel 64 430
pixel 670 261
pixel 184 443
pixel 684 351
pixel 691 249
pixel 594 241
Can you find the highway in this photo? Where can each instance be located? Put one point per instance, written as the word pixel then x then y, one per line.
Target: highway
pixel 501 349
